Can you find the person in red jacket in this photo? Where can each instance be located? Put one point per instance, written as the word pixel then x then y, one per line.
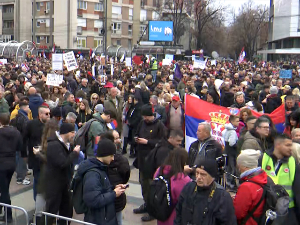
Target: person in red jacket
pixel 250 191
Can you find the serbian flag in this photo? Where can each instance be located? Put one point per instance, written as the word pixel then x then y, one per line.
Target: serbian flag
pixel 242 55
pixel 53 48
pixel 113 125
pixel 24 67
pixel 198 111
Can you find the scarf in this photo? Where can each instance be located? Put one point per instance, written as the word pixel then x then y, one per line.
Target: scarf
pixel 249 172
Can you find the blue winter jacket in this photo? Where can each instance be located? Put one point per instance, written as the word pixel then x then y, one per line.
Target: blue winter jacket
pixel 35 101
pixel 98 193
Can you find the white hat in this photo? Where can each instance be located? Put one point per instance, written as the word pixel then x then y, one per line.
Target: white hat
pixel 248 158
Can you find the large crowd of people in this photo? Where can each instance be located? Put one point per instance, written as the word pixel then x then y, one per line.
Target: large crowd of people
pixel 140 109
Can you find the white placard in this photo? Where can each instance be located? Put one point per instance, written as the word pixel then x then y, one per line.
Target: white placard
pixel 54 79
pixel 3 61
pixel 193 57
pixel 57 66
pixel 168 56
pixel 128 61
pixel 102 79
pixel 70 61
pixel 213 62
pixel 57 57
pixel 93 71
pixel 198 64
pixel 111 69
pixel 166 62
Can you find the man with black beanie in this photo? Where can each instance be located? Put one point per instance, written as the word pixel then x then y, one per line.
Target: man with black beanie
pixel 210 202
pixel 149 132
pixel 58 172
pixel 98 193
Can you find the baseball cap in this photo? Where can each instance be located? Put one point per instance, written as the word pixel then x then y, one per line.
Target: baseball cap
pixel 176 98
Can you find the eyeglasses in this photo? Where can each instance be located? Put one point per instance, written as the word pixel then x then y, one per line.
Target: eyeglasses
pixel 264 127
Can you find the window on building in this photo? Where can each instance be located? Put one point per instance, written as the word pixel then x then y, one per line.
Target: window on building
pixel 143 15
pixel 81 4
pixel 98 23
pixel 116 28
pixel 47 39
pixel 142 30
pixel 156 3
pixel 130 14
pixel 99 6
pixel 98 42
pixel 38 23
pixel 116 11
pixel 81 42
pixel 143 3
pixel 38 6
pixel 38 39
pixel 118 42
pixel 8 9
pixel 130 29
pixel 8 24
pixel 81 22
pixel 129 44
pixel 48 6
pixel 155 15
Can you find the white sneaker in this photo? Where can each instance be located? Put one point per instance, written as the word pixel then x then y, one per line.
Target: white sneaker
pixel 26 181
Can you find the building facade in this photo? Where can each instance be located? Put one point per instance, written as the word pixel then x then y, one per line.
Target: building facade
pixel 284 30
pixel 15 21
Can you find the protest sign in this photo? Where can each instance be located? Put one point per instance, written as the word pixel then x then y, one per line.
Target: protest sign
pixel 111 69
pixel 285 74
pixel 102 79
pixel 213 62
pixel 166 62
pixel 128 61
pixel 54 79
pixel 57 61
pixel 3 61
pixel 199 64
pixel 70 61
pixel 168 56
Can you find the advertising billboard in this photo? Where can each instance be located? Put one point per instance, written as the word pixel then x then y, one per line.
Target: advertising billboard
pixel 160 30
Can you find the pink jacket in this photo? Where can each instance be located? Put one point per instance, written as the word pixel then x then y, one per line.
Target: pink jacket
pixel 177 184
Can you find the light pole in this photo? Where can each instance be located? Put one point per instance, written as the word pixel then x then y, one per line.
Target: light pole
pixel 105 35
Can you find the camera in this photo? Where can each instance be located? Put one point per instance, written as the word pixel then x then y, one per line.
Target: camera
pixel 222 163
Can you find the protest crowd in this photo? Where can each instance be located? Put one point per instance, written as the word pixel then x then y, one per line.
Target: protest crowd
pixel 77 135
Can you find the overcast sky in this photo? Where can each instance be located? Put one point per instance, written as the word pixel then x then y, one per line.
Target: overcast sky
pixel 237 3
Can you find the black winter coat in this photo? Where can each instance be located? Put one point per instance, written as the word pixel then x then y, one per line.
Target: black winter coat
pixel 213 150
pixel 98 193
pixel 152 132
pixel 134 115
pixel 193 200
pixel 119 173
pixel 273 102
pixel 58 167
pixel 227 99
pixel 33 137
pixel 11 142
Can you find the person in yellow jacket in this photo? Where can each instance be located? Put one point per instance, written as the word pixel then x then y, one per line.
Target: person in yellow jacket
pixel 280 165
pixel 14 113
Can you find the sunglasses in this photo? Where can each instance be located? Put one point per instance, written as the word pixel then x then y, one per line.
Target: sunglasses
pixel 95 98
pixel 47 114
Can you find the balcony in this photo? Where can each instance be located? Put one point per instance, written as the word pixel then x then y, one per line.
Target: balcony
pixel 8 16
pixel 9 31
pixel 79 30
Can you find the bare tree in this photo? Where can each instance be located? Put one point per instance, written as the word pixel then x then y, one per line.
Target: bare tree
pixel 248 27
pixel 207 12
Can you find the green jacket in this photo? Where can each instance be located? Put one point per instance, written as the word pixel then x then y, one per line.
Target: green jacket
pixel 110 105
pixel 96 129
pixel 4 107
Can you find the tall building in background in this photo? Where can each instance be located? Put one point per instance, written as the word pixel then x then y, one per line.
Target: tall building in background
pixel 284 30
pixel 15 21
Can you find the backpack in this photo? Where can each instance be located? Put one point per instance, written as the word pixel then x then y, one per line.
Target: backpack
pixel 276 204
pixel 81 136
pixel 150 163
pixel 159 200
pixel 76 190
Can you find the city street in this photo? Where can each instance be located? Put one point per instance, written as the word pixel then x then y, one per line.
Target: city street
pixel 22 196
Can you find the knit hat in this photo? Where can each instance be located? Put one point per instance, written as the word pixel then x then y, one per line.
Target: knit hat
pixel 146 110
pixel 248 158
pixel 99 108
pixel 106 148
pixel 66 128
pixel 274 90
pixel 210 166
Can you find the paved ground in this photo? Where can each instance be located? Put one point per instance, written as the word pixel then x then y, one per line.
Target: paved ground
pixel 22 196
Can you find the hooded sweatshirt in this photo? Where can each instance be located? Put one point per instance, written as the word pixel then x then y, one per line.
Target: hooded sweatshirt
pixel 35 101
pixel 231 138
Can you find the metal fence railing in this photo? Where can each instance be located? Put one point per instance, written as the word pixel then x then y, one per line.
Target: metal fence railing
pixel 57 218
pixel 15 218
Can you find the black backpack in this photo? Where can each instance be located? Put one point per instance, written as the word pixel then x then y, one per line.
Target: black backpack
pixel 159 200
pixel 150 165
pixel 81 137
pixel 276 204
pixel 76 190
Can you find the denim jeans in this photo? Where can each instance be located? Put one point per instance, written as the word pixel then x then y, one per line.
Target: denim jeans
pixel 119 217
pixel 154 73
pixel 21 168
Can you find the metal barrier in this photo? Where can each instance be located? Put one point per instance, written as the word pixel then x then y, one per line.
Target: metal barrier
pixel 16 218
pixel 56 217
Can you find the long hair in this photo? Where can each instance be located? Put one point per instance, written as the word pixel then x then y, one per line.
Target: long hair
pixel 49 130
pixel 245 110
pixel 87 107
pixel 176 159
